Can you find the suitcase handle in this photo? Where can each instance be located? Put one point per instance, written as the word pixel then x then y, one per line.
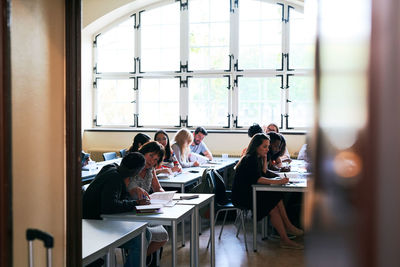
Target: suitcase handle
pixel 32 234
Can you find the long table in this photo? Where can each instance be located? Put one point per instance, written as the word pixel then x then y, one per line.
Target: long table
pixel 171 216
pixel 193 175
pixel 100 238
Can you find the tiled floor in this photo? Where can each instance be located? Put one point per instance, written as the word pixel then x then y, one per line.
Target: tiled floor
pixel 230 251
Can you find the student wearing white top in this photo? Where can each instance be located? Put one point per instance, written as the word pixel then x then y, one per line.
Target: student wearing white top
pixel 198 146
pixel 183 139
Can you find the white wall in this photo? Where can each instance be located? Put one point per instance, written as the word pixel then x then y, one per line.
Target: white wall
pixel 38 136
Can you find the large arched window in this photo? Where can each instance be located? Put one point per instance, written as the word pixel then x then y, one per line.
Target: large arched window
pixel 215 63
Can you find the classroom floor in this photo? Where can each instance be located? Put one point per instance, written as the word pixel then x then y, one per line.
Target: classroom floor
pixel 230 251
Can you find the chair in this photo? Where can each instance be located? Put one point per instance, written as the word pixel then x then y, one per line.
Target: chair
pixel 122 152
pixel 109 155
pixel 223 203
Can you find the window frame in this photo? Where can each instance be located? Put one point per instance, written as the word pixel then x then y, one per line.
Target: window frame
pixel 233 72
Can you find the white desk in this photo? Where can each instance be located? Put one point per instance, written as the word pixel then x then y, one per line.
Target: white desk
pixel 171 216
pixel 201 201
pixel 100 238
pixel 294 187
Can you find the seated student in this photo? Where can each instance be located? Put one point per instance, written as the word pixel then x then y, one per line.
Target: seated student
pixel 108 194
pixel 276 149
pixel 198 146
pixel 252 169
pixel 145 181
pixel 253 129
pixel 183 139
pixel 139 140
pixel 170 164
pixel 272 127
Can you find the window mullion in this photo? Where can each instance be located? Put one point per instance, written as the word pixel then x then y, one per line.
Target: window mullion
pixel 184 59
pixel 234 52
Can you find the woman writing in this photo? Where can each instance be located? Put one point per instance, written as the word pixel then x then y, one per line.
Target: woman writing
pixel 252 169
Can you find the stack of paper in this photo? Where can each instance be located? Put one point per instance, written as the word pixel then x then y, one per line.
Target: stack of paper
pixel 163 198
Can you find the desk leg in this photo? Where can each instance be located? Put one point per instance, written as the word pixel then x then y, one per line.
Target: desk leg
pixel 143 249
pixel 173 241
pixel 110 257
pixel 193 240
pixel 254 220
pixel 212 232
pixel 183 221
pixel 196 236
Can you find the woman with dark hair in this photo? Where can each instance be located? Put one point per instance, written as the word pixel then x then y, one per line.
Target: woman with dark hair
pixel 285 155
pixel 139 140
pixel 277 149
pixel 170 163
pixel 252 169
pixel 146 180
pixel 253 129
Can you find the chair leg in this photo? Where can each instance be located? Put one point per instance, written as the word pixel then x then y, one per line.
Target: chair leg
pixel 215 221
pixel 244 232
pixel 240 223
pixel 223 223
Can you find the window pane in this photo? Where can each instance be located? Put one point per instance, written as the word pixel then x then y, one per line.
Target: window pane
pixel 302 41
pixel 160 38
pixel 208 101
pixel 259 100
pixel 159 102
pixel 115 48
pixel 209 34
pixel 114 102
pixel 260 35
pixel 301 93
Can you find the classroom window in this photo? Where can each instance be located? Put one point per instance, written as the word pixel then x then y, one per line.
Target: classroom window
pixel 260 35
pixel 158 102
pixel 160 41
pixel 259 100
pixel 115 48
pixel 115 102
pixel 208 101
pixel 215 63
pixel 208 34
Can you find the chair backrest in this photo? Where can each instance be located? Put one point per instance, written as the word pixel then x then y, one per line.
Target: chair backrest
pixel 206 184
pixel 122 152
pixel 220 189
pixel 109 155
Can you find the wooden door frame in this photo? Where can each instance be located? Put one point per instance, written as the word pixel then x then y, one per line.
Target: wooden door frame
pixel 5 137
pixel 73 131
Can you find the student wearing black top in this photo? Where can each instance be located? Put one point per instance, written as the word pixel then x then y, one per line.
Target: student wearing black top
pixel 108 194
pixel 252 169
pixel 139 140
